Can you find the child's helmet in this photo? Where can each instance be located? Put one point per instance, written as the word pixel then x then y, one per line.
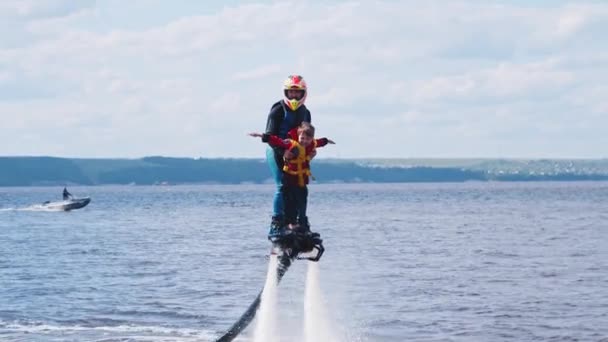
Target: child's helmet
pixel 294 82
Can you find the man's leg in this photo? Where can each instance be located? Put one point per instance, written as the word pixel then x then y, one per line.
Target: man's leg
pixel 277 202
pixel 290 197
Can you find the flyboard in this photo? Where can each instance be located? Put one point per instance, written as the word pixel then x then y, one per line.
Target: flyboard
pixel 289 245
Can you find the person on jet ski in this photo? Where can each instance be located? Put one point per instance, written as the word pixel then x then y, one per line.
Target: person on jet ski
pixel 66 195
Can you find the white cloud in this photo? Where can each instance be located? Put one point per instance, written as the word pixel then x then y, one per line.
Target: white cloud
pixel 570 22
pixel 260 72
pixel 41 9
pixel 426 79
pixel 505 80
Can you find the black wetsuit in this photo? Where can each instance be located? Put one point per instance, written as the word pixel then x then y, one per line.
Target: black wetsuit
pixel 281 120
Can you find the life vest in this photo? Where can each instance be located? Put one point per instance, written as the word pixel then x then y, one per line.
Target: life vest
pixel 299 166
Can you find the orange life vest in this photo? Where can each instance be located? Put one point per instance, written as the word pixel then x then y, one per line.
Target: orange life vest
pixel 300 165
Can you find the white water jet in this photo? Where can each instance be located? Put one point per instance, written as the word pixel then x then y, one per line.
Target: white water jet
pixel 317 323
pixel 266 325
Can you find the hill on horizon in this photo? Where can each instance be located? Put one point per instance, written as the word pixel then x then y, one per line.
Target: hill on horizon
pixel 44 170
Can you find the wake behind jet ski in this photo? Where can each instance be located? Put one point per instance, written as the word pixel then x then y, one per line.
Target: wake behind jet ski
pixel 69 202
pixel 288 245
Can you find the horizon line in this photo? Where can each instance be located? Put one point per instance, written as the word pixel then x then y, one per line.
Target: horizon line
pixel 318 158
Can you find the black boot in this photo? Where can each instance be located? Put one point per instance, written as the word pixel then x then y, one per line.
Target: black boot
pixel 304 225
pixel 277 226
pixel 277 222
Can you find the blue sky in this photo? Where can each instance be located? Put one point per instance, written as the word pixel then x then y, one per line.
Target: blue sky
pixel 387 79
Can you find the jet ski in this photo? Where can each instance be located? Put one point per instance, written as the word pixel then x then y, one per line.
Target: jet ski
pixel 67 205
pixel 288 245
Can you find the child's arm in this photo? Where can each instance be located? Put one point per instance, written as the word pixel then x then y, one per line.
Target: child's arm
pixel 320 143
pixel 324 141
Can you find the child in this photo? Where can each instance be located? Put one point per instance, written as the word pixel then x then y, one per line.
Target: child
pixel 296 171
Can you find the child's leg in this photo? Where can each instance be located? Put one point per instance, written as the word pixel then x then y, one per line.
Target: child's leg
pixel 290 198
pixel 302 206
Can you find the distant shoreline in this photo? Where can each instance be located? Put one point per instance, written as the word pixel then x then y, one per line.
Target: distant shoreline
pixel 53 171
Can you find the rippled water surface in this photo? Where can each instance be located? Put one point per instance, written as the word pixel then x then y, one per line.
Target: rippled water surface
pixel 415 262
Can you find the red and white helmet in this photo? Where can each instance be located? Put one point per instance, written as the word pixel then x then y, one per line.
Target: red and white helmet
pixel 294 82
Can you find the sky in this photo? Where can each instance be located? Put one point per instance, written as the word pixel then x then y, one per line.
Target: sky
pixel 387 79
